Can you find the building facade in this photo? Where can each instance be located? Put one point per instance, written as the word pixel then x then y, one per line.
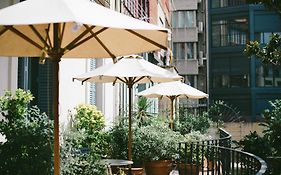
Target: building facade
pixel 189 38
pixel 240 81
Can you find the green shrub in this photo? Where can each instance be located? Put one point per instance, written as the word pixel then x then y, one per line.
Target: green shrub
pixel 119 140
pixel 192 122
pixel 85 144
pixel 272 125
pixel 29 136
pixel 89 118
pixel 155 142
pixel 253 143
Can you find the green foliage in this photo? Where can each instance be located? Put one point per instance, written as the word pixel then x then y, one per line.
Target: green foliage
pixel 271 141
pixel 269 54
pixel 29 135
pixel 119 140
pixel 192 122
pixel 185 152
pixel 85 144
pixel 215 111
pixel 89 118
pixel 78 157
pixel 141 114
pixel 255 144
pixel 155 142
pixel 273 126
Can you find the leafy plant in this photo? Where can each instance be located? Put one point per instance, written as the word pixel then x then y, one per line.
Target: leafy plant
pixel 89 118
pixel 141 114
pixel 119 140
pixel 193 122
pixel 155 142
pixel 85 144
pixel 186 155
pixel 253 143
pixel 269 54
pixel 272 123
pixel 29 136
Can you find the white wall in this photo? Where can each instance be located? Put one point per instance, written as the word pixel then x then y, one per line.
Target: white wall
pixel 106 97
pixel 71 93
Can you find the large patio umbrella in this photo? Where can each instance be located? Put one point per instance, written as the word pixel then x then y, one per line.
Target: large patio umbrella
pixel 130 71
pixel 173 90
pixel 73 29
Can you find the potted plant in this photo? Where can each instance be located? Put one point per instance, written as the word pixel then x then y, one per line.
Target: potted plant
pixel 156 146
pixel 190 158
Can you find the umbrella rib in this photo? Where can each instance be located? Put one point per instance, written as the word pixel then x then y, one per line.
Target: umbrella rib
pixel 146 39
pixel 86 39
pixel 71 45
pixel 3 31
pixel 23 36
pixel 101 43
pixel 62 34
pixel 39 35
pixel 48 36
pixel 139 79
pixel 125 82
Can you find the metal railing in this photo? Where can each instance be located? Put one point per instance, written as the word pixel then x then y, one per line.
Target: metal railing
pixel 217 157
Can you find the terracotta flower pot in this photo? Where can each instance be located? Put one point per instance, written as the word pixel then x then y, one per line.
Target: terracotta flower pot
pixel 134 171
pixel 187 169
pixel 158 167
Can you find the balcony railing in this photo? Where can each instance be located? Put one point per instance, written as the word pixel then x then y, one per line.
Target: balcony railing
pixel 217 157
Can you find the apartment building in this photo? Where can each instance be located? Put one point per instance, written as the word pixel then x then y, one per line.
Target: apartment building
pixel 189 44
pixel 244 83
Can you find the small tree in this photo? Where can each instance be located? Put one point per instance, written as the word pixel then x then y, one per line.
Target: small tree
pixel 29 135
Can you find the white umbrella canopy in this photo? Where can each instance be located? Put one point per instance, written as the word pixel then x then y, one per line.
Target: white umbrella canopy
pixel 86 30
pixel 173 90
pixel 129 70
pixel 73 29
pixel 134 67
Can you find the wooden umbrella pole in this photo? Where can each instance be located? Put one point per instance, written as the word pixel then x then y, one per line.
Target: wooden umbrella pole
pixel 172 98
pixel 56 55
pixel 130 125
pixel 56 120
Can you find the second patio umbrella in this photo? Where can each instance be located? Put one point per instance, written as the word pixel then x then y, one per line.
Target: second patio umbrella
pixel 129 70
pixel 173 90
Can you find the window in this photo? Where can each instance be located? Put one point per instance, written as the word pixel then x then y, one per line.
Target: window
pixel 268 76
pixel 264 37
pixel 227 3
pixel 231 81
pixel 230 32
pixel 184 19
pixel 190 80
pixel 183 50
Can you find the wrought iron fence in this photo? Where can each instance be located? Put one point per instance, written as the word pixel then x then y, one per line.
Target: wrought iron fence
pixel 217 157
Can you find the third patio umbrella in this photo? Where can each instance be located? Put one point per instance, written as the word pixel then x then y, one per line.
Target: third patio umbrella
pixel 73 29
pixel 172 90
pixel 129 70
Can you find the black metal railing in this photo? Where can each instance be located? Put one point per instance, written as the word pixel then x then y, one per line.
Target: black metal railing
pixel 217 157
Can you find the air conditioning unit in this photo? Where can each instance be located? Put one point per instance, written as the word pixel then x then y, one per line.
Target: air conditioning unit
pixel 199 1
pixel 200 27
